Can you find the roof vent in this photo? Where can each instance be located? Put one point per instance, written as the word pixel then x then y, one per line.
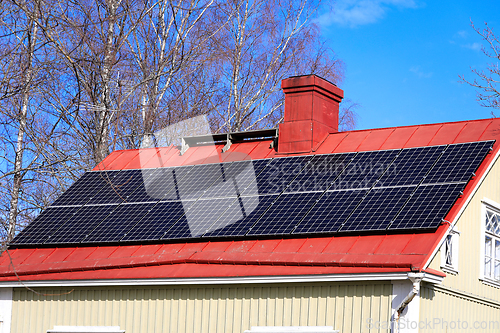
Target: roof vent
pixel 228 138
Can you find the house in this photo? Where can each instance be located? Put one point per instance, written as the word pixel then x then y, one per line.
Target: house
pixel 398 231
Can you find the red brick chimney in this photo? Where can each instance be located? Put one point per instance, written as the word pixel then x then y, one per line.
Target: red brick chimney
pixel 311 112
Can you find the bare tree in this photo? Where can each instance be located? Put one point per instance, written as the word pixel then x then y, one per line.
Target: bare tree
pixel 487 81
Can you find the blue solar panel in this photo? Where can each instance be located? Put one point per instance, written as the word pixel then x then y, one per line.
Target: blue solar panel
pixel 284 214
pixel 410 167
pixel 332 209
pixel 80 224
pixel 85 188
pixel 378 209
pixel 319 173
pixel 158 220
pixel 365 169
pixel 277 175
pixel 240 216
pixel 429 205
pixel 158 184
pixel 45 225
pixel 118 222
pixel 458 162
pixel 329 193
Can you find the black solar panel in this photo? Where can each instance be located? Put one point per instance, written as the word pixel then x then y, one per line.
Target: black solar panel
pixel 118 222
pixel 394 189
pixel 365 169
pixel 80 224
pixel 378 209
pixel 332 209
pixel 284 214
pixel 235 179
pixel 45 225
pixel 157 221
pixel 278 174
pixel 319 173
pixel 240 216
pixel 429 205
pixel 410 167
pixel 118 189
pixel 88 185
pixel 458 162
pixel 161 182
pixel 198 218
pixel 195 182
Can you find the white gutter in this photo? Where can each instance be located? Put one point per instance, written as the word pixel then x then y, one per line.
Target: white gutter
pixel 431 278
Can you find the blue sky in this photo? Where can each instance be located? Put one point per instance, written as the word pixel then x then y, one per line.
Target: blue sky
pixel 403 58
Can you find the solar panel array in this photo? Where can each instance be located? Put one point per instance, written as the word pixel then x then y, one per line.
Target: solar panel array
pixel 402 189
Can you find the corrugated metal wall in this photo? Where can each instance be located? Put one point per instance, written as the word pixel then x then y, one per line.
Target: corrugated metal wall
pixel 446 311
pixel 235 308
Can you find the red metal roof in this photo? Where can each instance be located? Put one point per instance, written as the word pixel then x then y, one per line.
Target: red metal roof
pixel 321 255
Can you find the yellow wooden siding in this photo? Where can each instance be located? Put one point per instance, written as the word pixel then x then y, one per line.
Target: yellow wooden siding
pixel 469 225
pixel 347 307
pixel 447 311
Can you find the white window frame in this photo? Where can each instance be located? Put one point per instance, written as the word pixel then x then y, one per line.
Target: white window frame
pixel 493 206
pixel 86 329
pixel 449 252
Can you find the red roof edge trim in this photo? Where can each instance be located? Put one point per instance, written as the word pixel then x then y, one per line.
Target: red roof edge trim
pixel 95 266
pixel 434 272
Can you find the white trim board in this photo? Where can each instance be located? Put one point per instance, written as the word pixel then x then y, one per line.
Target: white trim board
pixel 428 277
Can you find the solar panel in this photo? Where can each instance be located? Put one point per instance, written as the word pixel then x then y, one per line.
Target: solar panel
pixel 410 167
pixel 284 214
pixel 278 174
pixel 428 206
pixel 332 209
pixel 85 188
pixel 240 216
pixel 118 222
pixel 329 193
pixel 319 173
pixel 161 182
pixel 365 169
pixel 198 218
pixel 117 190
pixel 157 221
pixel 195 182
pixel 235 179
pixel 80 224
pixel 458 162
pixel 377 209
pixel 45 225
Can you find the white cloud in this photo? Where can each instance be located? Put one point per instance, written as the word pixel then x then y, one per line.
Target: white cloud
pixel 472 46
pixel 359 12
pixel 420 73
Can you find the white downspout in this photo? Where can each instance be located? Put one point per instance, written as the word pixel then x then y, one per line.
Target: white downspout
pixel 415 278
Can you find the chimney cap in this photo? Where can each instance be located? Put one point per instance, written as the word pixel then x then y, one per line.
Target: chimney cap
pixel 312 82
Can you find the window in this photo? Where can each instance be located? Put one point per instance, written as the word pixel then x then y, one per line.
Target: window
pixel 490 239
pixel 449 252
